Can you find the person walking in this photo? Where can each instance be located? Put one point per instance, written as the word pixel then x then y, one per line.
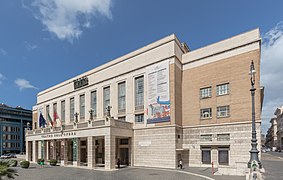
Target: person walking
pixel 181 164
pixel 118 163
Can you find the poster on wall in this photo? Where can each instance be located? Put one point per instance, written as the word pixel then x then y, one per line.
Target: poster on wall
pixel 158 98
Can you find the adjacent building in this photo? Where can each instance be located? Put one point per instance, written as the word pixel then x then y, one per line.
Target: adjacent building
pixel 13 123
pixel 274 137
pixel 153 107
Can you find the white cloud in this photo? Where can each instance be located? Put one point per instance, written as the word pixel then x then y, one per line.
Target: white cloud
pixel 66 18
pixel 30 46
pixel 3 52
pixel 2 77
pixel 271 72
pixel 24 84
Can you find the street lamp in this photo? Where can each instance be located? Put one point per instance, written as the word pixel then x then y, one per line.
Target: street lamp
pixel 253 152
pixel 76 117
pixel 28 125
pixel 91 111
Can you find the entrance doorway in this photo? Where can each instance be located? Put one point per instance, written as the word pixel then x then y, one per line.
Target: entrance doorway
pixel 124 155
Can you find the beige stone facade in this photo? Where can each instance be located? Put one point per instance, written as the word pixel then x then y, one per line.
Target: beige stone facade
pixel 202 112
pixel 274 137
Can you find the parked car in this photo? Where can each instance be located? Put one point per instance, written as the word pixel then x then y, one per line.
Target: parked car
pixel 5 156
pixel 12 155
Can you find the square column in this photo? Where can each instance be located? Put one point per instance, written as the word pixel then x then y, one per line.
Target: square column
pixel 110 147
pixel 66 144
pixel 35 151
pixel 91 152
pixel 47 144
pixel 78 152
pixel 28 150
pixel 54 149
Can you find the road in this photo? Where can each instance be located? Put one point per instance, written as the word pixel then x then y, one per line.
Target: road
pixel 272 163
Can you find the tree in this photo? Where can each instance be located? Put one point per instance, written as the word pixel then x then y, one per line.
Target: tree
pixel 6 171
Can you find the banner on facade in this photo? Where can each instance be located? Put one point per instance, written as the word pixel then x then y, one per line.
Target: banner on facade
pixel 158 98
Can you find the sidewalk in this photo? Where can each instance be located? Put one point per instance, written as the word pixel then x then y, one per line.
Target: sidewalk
pixel 207 172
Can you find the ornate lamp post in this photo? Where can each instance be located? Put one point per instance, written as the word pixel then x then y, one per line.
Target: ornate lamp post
pixel 253 152
pixel 76 117
pixel 91 111
pixel 28 124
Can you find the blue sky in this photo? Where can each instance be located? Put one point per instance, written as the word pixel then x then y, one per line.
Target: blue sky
pixel 43 43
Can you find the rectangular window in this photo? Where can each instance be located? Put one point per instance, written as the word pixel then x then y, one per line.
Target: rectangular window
pixel 139 93
pixel 55 115
pixel 223 137
pixel 62 111
pixel 72 108
pixel 47 111
pixel 222 89
pixel 139 118
pixel 206 155
pixel 205 113
pixel 93 103
pixel 205 92
pixel 206 137
pixel 106 99
pixel 223 156
pixel 122 97
pixel 223 111
pixel 122 118
pixel 82 106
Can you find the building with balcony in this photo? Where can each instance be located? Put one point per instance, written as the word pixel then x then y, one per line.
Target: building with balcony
pixel 271 137
pixel 13 122
pixel 153 107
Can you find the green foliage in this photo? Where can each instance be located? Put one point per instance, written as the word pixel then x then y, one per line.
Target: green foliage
pixel 5 171
pixel 24 164
pixel 13 163
pixel 10 162
pixel 53 162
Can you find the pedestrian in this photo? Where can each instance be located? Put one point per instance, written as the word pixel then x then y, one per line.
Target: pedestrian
pixel 41 163
pixel 118 163
pixel 181 164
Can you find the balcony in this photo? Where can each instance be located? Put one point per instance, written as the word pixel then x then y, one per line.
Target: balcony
pixel 106 122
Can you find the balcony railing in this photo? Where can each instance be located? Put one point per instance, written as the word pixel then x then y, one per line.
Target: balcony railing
pixel 82 125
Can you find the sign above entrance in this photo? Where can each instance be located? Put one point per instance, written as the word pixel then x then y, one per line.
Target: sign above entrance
pixel 78 83
pixel 66 134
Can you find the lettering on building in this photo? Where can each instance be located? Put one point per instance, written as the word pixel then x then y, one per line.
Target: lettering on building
pixel 59 135
pixel 78 83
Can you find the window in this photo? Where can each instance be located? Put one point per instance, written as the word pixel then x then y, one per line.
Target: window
pixel 122 97
pixel 124 141
pixel 223 111
pixel 55 115
pixel 139 118
pixel 82 106
pixel 223 156
pixel 205 92
pixel 205 113
pixel 72 108
pixel 206 155
pixel 223 137
pixel 47 111
pixel 93 103
pixel 106 99
pixel 62 111
pixel 122 118
pixel 222 89
pixel 139 93
pixel 206 137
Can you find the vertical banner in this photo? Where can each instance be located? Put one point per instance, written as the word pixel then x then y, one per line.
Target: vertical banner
pixel 158 96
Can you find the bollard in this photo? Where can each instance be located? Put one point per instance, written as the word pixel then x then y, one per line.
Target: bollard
pixel 212 168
